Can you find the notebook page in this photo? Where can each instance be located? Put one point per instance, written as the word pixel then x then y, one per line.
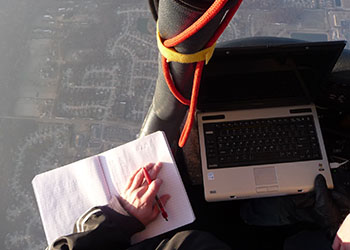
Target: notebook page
pixel 121 162
pixel 65 193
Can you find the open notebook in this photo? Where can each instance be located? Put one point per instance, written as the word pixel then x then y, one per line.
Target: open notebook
pixel 65 193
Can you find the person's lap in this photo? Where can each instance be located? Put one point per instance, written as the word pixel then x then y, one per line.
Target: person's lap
pixel 190 239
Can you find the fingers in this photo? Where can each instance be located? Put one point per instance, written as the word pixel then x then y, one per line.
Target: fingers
pixel 154 169
pixel 136 179
pixel 131 179
pixel 152 190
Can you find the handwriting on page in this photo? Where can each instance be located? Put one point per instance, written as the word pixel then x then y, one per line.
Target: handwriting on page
pixel 143 147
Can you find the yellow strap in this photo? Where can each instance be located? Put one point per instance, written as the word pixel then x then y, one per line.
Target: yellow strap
pixel 173 56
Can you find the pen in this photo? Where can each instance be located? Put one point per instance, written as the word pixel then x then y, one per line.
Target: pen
pixel 159 203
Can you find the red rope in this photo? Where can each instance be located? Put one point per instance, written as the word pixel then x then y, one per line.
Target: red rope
pixel 210 13
pixel 224 23
pixel 213 10
pixel 171 84
pixel 192 110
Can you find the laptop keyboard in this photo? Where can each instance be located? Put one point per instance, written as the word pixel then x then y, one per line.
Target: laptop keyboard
pixel 261 141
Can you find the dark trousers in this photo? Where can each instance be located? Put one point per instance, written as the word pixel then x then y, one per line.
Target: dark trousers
pixel 191 240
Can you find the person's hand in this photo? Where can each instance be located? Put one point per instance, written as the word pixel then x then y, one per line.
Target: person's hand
pixel 138 198
pixel 342 239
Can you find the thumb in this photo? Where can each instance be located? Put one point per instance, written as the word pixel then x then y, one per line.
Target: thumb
pixel 152 190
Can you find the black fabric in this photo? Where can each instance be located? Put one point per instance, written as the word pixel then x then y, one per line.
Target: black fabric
pixel 272 211
pixel 328 213
pixel 185 240
pixel 106 229
pixel 321 212
pixel 308 240
pixel 111 230
pixel 153 6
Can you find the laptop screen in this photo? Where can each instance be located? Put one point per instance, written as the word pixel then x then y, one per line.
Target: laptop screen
pixel 258 88
pixel 253 77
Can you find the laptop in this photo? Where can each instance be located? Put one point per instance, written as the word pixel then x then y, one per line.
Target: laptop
pixel 259 132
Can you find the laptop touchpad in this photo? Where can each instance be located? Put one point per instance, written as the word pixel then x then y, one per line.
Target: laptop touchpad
pixel 265 176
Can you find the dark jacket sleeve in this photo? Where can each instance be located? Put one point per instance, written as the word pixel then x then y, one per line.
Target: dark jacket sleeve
pixel 105 227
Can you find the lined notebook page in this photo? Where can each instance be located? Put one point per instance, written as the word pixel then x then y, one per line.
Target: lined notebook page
pixel 121 162
pixel 65 193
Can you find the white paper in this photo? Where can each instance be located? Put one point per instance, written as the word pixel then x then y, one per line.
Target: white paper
pixel 65 193
pixel 121 162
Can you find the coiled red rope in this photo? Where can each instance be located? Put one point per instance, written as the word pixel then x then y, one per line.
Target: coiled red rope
pixel 212 11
